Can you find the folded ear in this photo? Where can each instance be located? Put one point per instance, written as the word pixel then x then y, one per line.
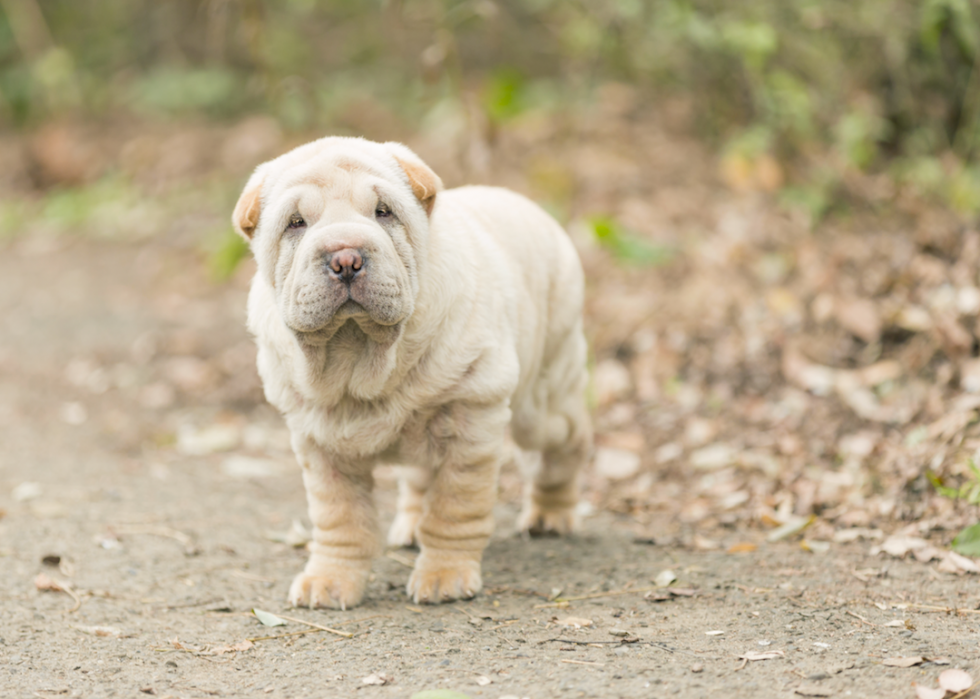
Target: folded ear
pixel 425 183
pixel 246 215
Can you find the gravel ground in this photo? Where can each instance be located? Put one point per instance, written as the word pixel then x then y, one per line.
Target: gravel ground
pixel 141 473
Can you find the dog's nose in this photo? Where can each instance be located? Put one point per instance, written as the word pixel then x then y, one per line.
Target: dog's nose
pixel 345 264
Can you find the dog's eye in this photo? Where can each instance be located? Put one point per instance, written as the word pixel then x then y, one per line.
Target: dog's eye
pixel 382 210
pixel 296 221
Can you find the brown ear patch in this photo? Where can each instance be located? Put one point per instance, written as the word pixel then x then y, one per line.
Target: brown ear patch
pixel 425 183
pixel 246 215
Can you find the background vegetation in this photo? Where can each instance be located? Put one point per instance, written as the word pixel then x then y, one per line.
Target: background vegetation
pixel 802 92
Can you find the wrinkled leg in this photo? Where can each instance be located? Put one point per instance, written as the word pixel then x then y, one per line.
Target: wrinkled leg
pixel 552 478
pixel 457 519
pixel 552 491
pixel 345 536
pixel 412 485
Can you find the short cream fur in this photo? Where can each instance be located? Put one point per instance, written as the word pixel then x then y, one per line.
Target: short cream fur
pixel 460 333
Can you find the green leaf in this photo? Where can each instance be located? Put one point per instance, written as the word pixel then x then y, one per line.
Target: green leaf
pixel 439 694
pixel 626 246
pixel 943 490
pixel 504 95
pixel 226 255
pixel 267 618
pixel 967 542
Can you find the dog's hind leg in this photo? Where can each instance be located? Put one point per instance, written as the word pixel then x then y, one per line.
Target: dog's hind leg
pixel 413 482
pixel 551 490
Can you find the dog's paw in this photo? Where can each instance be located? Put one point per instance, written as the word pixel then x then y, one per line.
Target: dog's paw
pixel 541 521
pixel 402 531
pixel 339 589
pixel 432 583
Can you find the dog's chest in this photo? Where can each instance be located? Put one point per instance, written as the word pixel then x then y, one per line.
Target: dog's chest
pixel 378 430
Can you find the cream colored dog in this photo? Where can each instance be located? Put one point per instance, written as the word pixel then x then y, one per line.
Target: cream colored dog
pixel 400 323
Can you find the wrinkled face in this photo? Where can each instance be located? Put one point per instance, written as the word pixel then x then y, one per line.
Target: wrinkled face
pixel 339 240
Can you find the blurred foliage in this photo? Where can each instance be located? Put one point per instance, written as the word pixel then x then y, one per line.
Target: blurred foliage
pixel 967 542
pixel 625 246
pixel 225 253
pixel 825 86
pixel 968 491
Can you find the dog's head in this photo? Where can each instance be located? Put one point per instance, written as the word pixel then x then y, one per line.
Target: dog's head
pixel 338 228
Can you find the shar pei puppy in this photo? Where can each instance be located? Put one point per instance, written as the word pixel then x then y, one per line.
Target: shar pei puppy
pixel 399 323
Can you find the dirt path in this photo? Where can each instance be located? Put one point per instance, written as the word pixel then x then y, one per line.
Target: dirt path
pixel 129 401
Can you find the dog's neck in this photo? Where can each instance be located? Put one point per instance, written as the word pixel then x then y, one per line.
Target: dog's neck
pixel 358 361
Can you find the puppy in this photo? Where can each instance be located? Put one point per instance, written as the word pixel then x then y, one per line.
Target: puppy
pixel 400 323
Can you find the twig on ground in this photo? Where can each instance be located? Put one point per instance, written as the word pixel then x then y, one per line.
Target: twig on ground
pixel 563 601
pixel 74 595
pixel 934 608
pixel 185 540
pixel 502 625
pixel 580 662
pixel 859 617
pixel 463 611
pixel 404 560
pixel 249 576
pixel 318 629
pixel 213 600
pixel 282 635
pixel 316 626
pixel 44 583
pixel 966 691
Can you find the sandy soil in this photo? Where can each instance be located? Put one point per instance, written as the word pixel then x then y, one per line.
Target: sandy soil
pixel 160 479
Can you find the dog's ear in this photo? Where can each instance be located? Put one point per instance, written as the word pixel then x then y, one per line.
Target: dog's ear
pixel 425 183
pixel 246 215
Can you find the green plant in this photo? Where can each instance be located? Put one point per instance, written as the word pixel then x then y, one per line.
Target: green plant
pixel 225 254
pixel 626 246
pixel 968 491
pixel 967 542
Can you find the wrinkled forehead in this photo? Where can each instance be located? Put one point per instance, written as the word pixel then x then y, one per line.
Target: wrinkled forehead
pixel 337 171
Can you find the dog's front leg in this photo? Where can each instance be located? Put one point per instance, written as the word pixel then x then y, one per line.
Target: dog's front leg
pixel 457 518
pixel 345 536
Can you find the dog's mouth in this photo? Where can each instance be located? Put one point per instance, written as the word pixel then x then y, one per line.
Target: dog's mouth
pixel 350 315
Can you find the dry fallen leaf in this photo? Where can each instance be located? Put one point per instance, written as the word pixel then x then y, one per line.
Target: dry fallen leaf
pixel 902 662
pixel 742 547
pixel 793 526
pixel 45 583
pixel 955 680
pixel 616 464
pixel 922 692
pixel 574 622
pixel 377 679
pixel 765 655
pixel 111 631
pixel 898 546
pixel 26 491
pixel 955 563
pixel 296 536
pixel 240 646
pixel 268 618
